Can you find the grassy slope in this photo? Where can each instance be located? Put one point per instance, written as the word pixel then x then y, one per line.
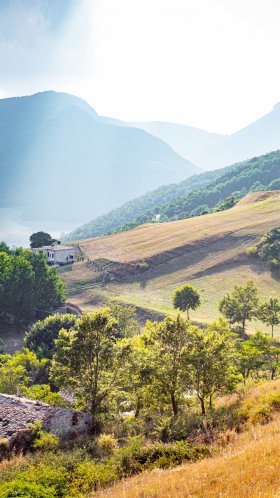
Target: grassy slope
pixel 208 251
pixel 247 467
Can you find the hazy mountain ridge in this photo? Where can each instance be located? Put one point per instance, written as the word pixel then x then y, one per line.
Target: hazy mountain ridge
pixel 60 159
pixel 211 150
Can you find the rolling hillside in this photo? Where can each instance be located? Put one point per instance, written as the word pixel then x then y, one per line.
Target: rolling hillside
pixel 200 193
pixel 146 264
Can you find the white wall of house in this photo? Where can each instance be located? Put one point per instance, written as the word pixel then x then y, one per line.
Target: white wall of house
pixel 58 254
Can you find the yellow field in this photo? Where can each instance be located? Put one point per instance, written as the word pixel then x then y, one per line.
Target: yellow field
pixel 248 467
pixel 207 251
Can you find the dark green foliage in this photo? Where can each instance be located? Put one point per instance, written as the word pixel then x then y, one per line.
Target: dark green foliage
pixel 16 287
pixel 40 338
pixel 269 312
pixel 228 203
pixel 40 239
pixel 28 286
pixel 241 304
pixel 269 247
pixel 186 298
pixel 5 248
pixel 48 288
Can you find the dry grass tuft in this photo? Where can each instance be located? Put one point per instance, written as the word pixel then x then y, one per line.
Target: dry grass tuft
pixel 245 465
pixel 248 468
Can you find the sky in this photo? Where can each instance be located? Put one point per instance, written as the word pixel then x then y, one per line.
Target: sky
pixel 213 64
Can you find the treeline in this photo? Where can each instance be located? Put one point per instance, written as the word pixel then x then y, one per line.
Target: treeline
pixel 257 174
pixel 29 288
pixel 200 194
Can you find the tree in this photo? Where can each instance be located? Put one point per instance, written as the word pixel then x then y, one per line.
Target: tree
pixel 186 298
pixel 136 372
pixel 40 338
pixel 48 288
pixel 21 369
pixel 126 325
pixel 28 286
pixel 5 248
pixel 166 342
pixel 16 287
pixel 40 239
pixel 269 352
pixel 85 360
pixel 269 312
pixel 241 304
pixel 210 358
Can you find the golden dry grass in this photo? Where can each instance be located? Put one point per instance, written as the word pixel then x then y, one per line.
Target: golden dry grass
pixel 249 467
pixel 252 218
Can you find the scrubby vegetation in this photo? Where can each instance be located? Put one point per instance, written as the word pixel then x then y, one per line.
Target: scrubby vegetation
pixel 268 248
pixel 200 194
pixel 156 399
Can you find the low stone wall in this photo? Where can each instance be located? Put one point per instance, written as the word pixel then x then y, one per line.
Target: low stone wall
pixel 16 413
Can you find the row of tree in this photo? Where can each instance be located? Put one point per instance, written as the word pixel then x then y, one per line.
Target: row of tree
pixel 160 370
pixel 239 306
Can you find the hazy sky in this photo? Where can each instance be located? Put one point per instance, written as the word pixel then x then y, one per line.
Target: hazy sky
pixel 213 64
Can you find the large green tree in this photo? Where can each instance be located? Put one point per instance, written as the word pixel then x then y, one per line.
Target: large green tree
pixel 186 298
pixel 241 304
pixel 16 287
pixel 85 360
pixel 40 338
pixel 28 286
pixel 210 357
pixel 40 239
pixel 166 342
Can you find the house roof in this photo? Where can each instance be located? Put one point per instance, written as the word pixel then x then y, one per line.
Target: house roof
pixel 58 247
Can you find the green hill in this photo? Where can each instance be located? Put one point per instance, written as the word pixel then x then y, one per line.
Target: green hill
pixel 198 194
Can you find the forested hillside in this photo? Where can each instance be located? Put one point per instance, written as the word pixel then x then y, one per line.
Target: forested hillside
pixel 215 190
pixel 131 210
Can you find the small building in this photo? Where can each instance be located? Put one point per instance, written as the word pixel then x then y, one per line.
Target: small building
pixel 58 254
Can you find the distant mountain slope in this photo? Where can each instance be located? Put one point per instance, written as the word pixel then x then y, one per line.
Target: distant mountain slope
pixel 60 160
pixel 194 195
pixel 187 141
pixel 210 150
pixel 131 210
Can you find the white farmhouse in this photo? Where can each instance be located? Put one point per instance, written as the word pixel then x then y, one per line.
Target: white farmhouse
pixel 58 254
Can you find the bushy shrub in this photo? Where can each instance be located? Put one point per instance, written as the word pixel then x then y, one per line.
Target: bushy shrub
pixel 19 487
pixel 89 476
pixel 106 444
pixel 42 392
pixel 46 441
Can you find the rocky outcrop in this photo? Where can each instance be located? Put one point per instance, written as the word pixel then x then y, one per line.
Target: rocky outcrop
pixel 17 413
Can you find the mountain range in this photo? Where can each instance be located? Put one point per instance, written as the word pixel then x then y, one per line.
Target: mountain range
pixel 60 160
pixel 212 150
pixel 61 163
